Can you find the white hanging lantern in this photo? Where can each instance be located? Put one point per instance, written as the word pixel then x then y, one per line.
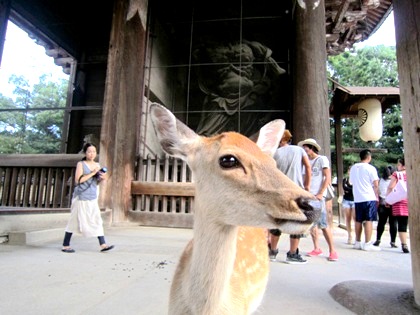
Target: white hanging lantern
pixel 370 120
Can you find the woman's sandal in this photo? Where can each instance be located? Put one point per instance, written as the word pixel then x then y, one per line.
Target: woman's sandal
pixel 68 250
pixel 107 248
pixel 405 248
pixel 393 245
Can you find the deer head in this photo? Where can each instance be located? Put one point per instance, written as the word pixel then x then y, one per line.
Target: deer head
pixel 237 181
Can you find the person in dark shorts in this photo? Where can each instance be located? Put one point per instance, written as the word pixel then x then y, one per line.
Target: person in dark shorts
pixel 365 181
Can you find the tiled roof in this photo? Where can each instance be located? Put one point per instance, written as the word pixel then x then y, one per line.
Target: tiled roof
pixel 346 98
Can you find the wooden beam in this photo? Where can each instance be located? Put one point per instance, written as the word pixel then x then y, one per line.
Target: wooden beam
pixel 357 150
pixel 340 15
pixel 39 160
pixel 163 189
pixel 164 219
pixel 28 210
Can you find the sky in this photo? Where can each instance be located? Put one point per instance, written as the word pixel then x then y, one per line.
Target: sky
pixel 385 35
pixel 22 56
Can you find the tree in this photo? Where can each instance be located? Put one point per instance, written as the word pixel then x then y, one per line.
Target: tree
pixel 370 66
pixel 9 125
pixel 26 123
pixel 47 124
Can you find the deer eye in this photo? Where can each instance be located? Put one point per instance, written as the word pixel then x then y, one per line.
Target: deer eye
pixel 229 161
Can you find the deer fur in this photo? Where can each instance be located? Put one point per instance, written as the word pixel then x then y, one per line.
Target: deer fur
pixel 239 194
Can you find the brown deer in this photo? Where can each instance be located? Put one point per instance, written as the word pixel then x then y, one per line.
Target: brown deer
pixel 239 194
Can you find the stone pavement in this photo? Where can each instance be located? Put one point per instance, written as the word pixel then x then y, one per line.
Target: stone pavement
pixel 135 277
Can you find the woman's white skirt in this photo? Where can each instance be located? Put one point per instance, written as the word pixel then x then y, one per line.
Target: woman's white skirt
pixel 85 218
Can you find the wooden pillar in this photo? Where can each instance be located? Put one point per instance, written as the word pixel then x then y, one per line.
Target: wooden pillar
pixel 310 101
pixel 339 159
pixel 122 107
pixel 4 17
pixel 407 32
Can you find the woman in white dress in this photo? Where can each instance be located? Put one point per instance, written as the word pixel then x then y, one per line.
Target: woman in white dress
pixel 85 213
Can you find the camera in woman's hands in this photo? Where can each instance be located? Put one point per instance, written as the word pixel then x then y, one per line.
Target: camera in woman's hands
pixel 103 170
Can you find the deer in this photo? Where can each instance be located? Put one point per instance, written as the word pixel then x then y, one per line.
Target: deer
pixel 239 193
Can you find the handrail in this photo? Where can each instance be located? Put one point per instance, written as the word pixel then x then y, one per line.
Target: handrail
pixel 163 189
pixel 37 181
pixel 39 160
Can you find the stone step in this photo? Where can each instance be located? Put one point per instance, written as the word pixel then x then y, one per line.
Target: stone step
pixel 35 236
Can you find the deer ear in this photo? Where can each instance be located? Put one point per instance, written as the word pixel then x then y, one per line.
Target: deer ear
pixel 174 136
pixel 270 136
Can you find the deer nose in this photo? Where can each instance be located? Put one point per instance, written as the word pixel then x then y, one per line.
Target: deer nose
pixel 311 208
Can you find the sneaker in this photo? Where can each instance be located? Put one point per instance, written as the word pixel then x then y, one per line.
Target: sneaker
pixel 295 259
pixel 272 254
pixel 377 243
pixel 333 256
pixel 315 252
pixel 357 245
pixel 370 248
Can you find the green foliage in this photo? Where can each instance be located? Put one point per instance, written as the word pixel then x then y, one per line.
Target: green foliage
pixel 26 123
pixel 370 66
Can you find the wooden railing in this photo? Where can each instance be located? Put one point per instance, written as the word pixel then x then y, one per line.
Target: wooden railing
pixel 163 185
pixel 163 191
pixel 30 182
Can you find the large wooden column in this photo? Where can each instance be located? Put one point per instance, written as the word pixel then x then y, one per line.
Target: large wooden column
pixel 310 102
pixel 407 33
pixel 122 105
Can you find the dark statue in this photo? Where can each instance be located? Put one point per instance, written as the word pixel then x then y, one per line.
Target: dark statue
pixel 237 79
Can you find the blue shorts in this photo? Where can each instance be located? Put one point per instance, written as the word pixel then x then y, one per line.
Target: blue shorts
pixel 347 204
pixel 366 211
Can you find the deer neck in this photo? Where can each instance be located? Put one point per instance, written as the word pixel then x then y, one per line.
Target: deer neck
pixel 212 263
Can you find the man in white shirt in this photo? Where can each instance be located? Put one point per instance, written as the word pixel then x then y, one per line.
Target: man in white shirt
pixel 364 178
